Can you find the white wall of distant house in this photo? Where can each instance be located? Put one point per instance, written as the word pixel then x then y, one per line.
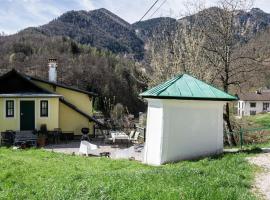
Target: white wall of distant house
pixel 179 130
pixel 245 108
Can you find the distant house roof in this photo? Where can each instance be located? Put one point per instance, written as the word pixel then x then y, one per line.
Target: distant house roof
pixel 255 96
pixel 14 82
pixel 63 86
pixel 189 88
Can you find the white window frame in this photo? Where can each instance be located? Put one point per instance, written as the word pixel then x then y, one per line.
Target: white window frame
pixel 4 109
pixel 253 106
pixel 39 109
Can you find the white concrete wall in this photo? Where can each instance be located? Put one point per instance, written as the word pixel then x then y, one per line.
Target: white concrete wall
pixel 244 107
pixel 189 129
pixel 154 132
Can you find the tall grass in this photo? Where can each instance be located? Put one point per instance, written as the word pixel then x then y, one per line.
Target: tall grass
pixel 36 174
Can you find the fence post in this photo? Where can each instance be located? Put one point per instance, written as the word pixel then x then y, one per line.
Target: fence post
pixel 144 133
pixel 241 138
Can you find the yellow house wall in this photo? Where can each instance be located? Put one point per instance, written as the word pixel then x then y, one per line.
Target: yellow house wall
pixel 72 121
pixel 80 100
pixel 52 121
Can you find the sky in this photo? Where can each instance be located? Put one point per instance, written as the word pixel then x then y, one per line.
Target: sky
pixel 16 15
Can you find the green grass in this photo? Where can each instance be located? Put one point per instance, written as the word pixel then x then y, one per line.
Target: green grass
pixel 260 120
pixel 36 174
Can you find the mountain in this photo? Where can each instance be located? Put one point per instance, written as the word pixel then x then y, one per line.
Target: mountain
pixel 252 22
pixel 104 30
pixel 100 28
pixel 246 23
pixel 146 29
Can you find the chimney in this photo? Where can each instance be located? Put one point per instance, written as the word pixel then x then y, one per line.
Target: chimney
pixel 258 92
pixel 52 63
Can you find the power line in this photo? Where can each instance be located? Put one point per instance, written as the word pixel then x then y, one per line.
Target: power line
pixel 148 10
pixel 158 8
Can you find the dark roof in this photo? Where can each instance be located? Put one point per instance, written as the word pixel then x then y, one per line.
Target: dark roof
pixel 63 86
pixel 14 82
pixel 73 107
pixel 188 88
pixel 254 96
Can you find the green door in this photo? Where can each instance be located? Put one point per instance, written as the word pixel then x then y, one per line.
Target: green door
pixel 27 114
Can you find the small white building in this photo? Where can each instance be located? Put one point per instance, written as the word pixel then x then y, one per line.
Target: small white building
pixel 253 103
pixel 184 120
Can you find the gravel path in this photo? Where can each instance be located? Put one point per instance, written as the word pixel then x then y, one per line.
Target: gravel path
pixel 262 180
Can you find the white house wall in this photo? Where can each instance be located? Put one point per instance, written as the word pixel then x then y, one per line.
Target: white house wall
pixel 244 107
pixel 189 129
pixel 154 132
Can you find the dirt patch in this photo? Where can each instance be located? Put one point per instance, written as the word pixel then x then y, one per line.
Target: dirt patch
pixel 262 180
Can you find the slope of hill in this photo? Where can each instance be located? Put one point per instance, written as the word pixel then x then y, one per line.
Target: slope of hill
pixel 99 28
pixel 246 23
pixel 105 30
pixel 146 29
pixel 113 77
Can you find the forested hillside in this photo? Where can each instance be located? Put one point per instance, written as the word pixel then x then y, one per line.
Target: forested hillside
pixel 112 77
pixel 99 28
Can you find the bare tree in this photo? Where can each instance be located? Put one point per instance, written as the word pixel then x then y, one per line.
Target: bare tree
pixel 229 64
pixel 177 50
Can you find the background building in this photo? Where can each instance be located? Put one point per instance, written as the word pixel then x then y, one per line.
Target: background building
pixel 253 103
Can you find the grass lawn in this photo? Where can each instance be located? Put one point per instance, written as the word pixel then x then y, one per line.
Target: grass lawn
pixel 37 174
pixel 260 120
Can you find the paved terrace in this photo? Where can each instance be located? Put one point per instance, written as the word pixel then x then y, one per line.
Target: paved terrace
pixel 117 151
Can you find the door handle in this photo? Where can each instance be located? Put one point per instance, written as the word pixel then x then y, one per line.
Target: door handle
pixel 21 114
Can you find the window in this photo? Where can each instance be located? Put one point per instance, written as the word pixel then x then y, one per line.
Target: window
pixel 265 106
pixel 9 108
pixel 252 105
pixel 43 108
pixel 252 112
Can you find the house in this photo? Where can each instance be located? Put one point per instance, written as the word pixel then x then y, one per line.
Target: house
pixel 253 103
pixel 27 102
pixel 184 120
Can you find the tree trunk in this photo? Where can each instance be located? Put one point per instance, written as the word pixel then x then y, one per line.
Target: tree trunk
pixel 230 136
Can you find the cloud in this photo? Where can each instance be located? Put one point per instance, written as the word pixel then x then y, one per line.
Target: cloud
pixel 86 4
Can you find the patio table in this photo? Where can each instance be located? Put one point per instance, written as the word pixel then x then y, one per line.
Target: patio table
pixel 119 135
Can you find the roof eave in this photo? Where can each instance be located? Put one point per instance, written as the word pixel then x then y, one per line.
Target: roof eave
pixel 188 98
pixel 63 86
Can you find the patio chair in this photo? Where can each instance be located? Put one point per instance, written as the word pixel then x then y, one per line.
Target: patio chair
pixel 56 135
pixel 7 138
pixel 135 138
pixel 131 134
pixel 107 138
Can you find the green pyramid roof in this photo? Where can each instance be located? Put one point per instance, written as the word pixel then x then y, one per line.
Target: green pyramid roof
pixel 187 87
